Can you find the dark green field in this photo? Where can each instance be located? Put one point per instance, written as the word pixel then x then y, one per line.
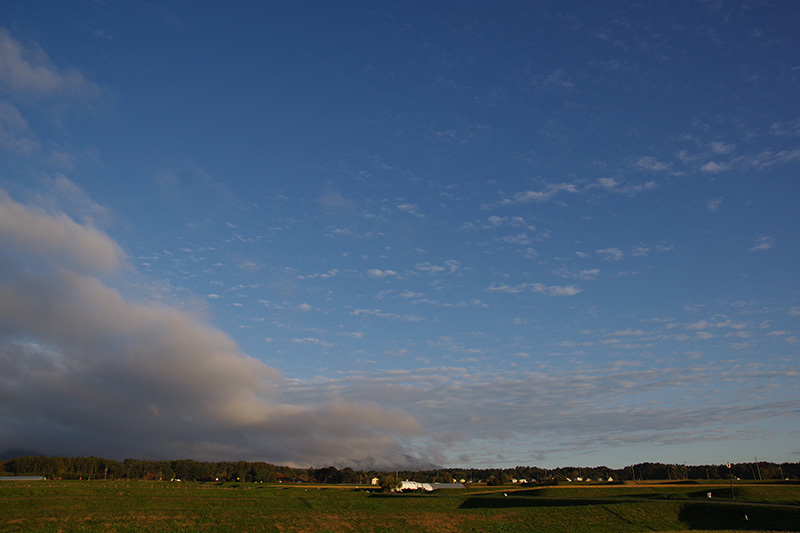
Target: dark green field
pixel 165 506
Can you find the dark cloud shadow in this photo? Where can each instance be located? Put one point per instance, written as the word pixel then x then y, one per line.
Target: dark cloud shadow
pixel 750 517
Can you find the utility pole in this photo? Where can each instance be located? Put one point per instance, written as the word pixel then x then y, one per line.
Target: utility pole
pixel 730 479
pixel 759 469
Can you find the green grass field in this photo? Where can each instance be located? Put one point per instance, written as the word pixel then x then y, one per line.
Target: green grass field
pixel 163 506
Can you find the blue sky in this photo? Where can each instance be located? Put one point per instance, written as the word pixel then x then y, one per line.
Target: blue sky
pixel 479 233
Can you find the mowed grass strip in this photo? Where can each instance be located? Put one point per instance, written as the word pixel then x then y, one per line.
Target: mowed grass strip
pixel 164 506
pixel 777 493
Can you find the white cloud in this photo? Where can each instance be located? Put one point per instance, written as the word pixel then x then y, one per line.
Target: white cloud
pixel 611 254
pixel 407 295
pixel 552 290
pixel 553 190
pixel 584 274
pixel 643 250
pixel 607 183
pixel 15 135
pixel 28 70
pixel 764 242
pixel 702 324
pixel 629 333
pixel 324 275
pixel 782 129
pixel 556 290
pixel 768 158
pixel 719 147
pixel 611 185
pixel 558 78
pixel 249 265
pixel 311 340
pixel 521 222
pixel 65 195
pixel 378 273
pixel 520 238
pixel 450 266
pixel 549 192
pixel 411 209
pixel 334 202
pixel 389 316
pixel 32 231
pixel 714 167
pixel 714 204
pixel 652 164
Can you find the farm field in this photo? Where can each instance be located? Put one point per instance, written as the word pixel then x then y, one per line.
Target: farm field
pixel 164 506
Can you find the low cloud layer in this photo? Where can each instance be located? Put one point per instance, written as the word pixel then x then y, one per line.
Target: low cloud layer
pixel 87 370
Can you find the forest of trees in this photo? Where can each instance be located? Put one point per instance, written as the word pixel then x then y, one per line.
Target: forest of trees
pixel 244 471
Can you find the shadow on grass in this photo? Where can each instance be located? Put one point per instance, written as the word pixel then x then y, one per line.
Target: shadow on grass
pixel 402 495
pixel 483 502
pixel 740 517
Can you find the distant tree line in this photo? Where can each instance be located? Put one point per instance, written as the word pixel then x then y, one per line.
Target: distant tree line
pixel 186 469
pixel 247 471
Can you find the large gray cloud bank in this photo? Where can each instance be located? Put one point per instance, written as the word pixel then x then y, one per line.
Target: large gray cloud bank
pixel 87 370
